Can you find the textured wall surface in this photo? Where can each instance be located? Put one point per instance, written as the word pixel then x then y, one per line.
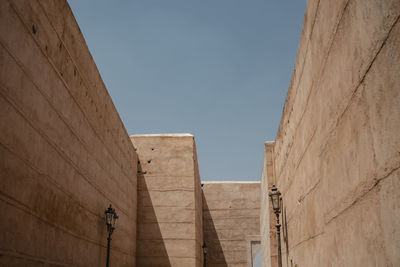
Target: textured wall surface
pixel 267 217
pixel 231 212
pixel 337 151
pixel 64 152
pixel 169 230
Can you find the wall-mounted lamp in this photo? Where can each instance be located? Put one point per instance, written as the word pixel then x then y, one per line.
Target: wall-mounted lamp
pixel 204 247
pixel 111 220
pixel 275 196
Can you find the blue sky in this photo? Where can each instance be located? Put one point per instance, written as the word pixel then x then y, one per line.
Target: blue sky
pixel 216 69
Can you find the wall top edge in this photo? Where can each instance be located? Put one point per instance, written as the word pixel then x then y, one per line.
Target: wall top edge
pixel 230 182
pixel 269 143
pixel 163 135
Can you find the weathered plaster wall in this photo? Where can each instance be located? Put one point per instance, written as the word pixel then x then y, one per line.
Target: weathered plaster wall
pixel 169 230
pixel 337 151
pixel 64 152
pixel 231 212
pixel 267 217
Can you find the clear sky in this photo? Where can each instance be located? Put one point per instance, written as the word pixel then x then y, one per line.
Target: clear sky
pixel 217 69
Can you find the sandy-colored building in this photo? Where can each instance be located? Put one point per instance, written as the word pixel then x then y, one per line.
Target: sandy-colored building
pixel 336 156
pixel 65 155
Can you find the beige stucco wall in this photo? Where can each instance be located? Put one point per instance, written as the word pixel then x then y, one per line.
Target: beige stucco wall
pixel 336 154
pixel 169 230
pixel 231 212
pixel 64 154
pixel 267 217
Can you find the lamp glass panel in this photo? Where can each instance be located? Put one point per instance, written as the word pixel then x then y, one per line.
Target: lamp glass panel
pixel 114 220
pixel 108 217
pixel 275 201
pixel 279 202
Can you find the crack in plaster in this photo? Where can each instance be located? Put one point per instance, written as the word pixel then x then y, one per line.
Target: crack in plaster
pixel 356 195
pixel 320 76
pixel 323 147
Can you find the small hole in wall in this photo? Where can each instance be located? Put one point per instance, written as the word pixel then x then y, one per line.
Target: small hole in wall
pixel 60 46
pixel 149 161
pixel 34 29
pixel 152 148
pixel 46 48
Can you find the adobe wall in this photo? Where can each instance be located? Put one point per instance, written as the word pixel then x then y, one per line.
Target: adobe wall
pixel 65 154
pixel 336 154
pixel 267 217
pixel 231 213
pixel 169 229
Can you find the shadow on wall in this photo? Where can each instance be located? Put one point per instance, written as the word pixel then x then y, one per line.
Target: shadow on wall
pixel 215 254
pixel 151 249
pixel 285 234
